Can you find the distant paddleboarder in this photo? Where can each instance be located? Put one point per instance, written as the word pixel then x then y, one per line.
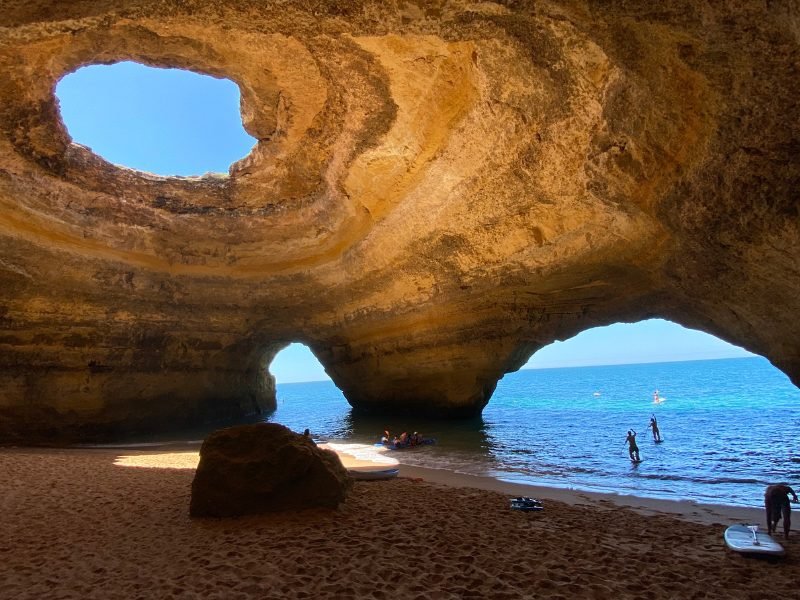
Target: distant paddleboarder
pixel 633 449
pixel 654 426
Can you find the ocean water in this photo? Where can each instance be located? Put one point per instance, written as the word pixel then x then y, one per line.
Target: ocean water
pixel 729 426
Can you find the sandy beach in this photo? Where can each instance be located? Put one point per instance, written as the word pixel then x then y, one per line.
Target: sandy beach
pixel 113 523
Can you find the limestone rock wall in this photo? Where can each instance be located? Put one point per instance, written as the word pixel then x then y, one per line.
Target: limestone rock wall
pixel 439 189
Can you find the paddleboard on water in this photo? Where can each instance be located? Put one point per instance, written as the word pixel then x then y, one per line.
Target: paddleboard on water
pixel 636 462
pixel 747 539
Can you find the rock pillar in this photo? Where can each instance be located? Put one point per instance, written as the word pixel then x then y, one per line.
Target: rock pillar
pixel 451 378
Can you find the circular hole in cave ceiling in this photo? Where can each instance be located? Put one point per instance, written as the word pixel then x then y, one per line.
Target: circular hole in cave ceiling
pixel 162 121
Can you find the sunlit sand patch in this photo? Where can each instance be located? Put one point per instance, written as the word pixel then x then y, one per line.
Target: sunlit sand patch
pixel 169 460
pixel 352 456
pixel 361 455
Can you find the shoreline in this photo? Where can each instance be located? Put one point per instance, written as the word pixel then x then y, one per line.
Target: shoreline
pixel 686 509
pixel 689 510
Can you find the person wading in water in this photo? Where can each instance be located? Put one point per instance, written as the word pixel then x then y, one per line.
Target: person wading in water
pixel 633 449
pixel 654 426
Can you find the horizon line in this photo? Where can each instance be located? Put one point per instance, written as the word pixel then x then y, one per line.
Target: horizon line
pixel 656 362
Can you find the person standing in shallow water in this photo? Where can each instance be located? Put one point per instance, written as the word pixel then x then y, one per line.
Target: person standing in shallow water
pixel 654 427
pixel 633 449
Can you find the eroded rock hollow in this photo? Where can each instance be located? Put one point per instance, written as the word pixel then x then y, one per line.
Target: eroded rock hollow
pixel 438 190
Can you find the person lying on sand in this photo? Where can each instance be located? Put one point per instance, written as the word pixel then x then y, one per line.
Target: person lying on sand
pixel 777 504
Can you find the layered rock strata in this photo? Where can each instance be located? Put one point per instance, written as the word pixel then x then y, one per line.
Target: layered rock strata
pixel 438 190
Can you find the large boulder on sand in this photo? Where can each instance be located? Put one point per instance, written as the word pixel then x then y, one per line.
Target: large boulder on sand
pixel 263 468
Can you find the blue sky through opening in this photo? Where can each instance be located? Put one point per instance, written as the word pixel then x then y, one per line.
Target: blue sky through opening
pixel 163 121
pixel 655 340
pixel 174 122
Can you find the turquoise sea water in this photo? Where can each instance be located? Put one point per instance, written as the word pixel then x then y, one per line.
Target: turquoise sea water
pixel 729 426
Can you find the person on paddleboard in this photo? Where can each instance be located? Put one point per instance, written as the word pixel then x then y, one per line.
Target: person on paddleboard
pixel 777 504
pixel 633 449
pixel 654 426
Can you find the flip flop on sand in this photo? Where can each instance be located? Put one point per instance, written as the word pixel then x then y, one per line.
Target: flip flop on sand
pixel 526 504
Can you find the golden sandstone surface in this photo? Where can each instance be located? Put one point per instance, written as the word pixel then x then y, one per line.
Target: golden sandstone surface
pixel 439 189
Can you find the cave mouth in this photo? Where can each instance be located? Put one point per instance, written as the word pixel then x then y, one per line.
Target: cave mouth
pixel 296 363
pixel 643 342
pixel 168 122
pixel 306 397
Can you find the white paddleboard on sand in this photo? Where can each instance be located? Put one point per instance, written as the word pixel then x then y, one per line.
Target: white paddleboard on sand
pixel 748 540
pixel 363 461
pixel 371 474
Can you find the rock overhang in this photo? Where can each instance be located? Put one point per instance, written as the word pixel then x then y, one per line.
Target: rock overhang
pixel 437 191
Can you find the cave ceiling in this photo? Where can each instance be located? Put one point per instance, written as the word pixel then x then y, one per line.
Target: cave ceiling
pixel 438 189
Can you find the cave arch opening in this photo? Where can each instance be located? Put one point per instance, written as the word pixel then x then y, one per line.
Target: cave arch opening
pixel 646 341
pixel 296 363
pixel 168 122
pixel 725 416
pixel 306 397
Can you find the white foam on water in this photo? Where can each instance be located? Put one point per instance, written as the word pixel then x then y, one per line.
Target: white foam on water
pixel 364 452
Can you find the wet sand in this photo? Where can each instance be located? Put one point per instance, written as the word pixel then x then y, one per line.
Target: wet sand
pixel 107 523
